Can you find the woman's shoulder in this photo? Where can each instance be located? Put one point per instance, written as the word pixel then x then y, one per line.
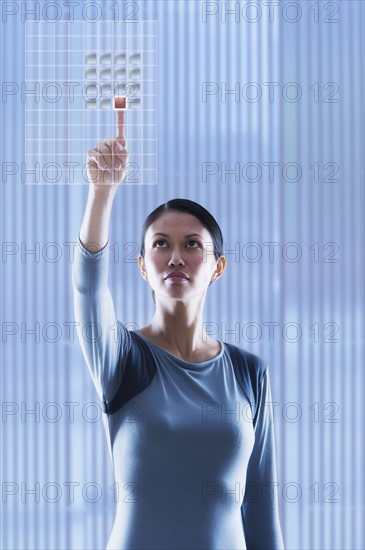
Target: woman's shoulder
pixel 250 360
pixel 249 368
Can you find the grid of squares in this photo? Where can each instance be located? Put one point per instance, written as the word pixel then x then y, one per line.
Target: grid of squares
pixel 72 73
pixel 118 73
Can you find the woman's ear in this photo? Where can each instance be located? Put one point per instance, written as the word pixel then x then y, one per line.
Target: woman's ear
pixel 221 266
pixel 142 267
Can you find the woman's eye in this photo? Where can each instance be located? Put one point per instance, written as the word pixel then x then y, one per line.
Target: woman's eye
pixel 159 241
pixel 196 242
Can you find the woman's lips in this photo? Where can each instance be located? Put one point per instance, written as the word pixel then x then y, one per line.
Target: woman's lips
pixel 178 276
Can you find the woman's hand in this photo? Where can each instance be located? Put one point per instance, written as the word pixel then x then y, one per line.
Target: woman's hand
pixel 106 163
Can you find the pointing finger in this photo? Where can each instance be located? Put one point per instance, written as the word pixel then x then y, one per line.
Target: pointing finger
pixel 121 126
pixel 120 106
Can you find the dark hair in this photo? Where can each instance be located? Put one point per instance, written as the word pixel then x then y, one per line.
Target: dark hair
pixel 193 208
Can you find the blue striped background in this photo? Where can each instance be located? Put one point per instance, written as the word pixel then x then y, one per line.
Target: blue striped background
pixel 317 379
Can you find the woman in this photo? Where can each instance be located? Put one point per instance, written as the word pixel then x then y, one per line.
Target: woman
pixel 188 418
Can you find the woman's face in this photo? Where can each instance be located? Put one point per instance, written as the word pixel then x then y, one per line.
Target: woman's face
pixel 177 241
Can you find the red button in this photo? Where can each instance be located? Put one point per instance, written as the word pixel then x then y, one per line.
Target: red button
pixel 120 103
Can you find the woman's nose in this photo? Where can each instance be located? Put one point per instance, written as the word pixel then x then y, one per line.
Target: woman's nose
pixel 176 257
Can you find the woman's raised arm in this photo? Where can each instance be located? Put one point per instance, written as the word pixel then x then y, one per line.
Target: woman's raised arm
pixel 106 165
pixel 104 340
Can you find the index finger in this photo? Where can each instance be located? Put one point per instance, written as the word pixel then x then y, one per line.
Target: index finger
pixel 120 135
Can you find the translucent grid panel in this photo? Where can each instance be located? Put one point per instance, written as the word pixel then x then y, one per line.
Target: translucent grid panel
pixel 72 73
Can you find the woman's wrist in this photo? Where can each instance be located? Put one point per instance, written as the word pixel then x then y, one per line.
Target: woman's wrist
pixel 103 193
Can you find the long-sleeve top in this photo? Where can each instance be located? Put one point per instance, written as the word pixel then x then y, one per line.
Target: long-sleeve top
pixel 193 459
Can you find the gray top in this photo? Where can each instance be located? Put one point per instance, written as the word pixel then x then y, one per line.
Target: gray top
pixel 194 466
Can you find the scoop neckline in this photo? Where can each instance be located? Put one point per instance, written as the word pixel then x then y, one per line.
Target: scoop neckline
pixel 179 358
